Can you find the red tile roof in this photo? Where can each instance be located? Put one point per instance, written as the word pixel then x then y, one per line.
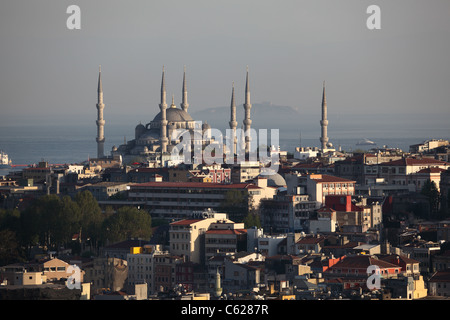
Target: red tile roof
pixel 441 276
pixel 396 259
pixel 185 222
pixel 184 185
pixel 327 178
pixel 326 209
pixel 310 240
pixel 414 162
pixel 362 262
pixel 431 170
pixel 227 231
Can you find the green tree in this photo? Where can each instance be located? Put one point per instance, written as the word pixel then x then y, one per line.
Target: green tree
pixel 91 217
pixel 10 219
pixel 126 223
pixel 47 213
pixel 252 220
pixel 235 205
pixel 430 190
pixel 9 248
pixel 69 220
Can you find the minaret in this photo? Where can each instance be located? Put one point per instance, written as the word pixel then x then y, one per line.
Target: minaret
pixel 233 122
pixel 163 107
pixel 324 121
pixel 100 122
pixel 184 103
pixel 218 286
pixel 247 120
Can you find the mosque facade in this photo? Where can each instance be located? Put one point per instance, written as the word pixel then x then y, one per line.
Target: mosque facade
pixel 155 141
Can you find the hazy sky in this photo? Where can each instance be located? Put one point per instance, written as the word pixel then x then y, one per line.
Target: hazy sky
pixel 290 47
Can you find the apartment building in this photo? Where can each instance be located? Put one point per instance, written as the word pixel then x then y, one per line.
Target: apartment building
pixel 187 236
pixel 287 213
pixel 424 252
pixel 439 284
pixel 406 171
pixel 355 212
pixel 428 145
pixel 245 171
pixel 318 186
pixel 225 237
pixel 214 173
pixel 177 200
pixel 152 266
pixel 106 273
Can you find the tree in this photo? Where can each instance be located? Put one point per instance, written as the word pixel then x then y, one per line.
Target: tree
pixel 235 205
pixel 47 214
pixel 430 190
pixel 91 216
pixel 9 248
pixel 252 220
pixel 70 219
pixel 126 223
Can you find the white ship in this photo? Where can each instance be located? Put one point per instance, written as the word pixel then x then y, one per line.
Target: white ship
pixel 5 162
pixel 365 142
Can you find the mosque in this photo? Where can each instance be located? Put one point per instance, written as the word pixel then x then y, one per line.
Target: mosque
pixel 154 141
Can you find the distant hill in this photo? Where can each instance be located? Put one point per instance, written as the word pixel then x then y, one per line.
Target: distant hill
pixel 264 116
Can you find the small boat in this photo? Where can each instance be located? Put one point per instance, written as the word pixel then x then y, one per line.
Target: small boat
pixel 5 162
pixel 365 142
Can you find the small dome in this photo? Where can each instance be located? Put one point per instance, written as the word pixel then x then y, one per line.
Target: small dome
pixel 139 130
pixel 274 179
pixel 150 135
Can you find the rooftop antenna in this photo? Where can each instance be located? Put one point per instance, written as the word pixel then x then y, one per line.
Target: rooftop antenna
pixel 300 140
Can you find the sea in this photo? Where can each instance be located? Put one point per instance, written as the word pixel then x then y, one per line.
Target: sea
pixel 71 143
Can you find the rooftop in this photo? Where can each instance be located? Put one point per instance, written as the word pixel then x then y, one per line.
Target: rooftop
pixel 227 231
pixel 441 276
pixel 310 240
pixel 187 185
pixel 185 222
pixel 363 262
pixel 324 178
pixel 414 162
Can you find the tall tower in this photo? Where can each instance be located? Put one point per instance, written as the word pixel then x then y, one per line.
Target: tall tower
pixel 163 107
pixel 184 103
pixel 100 121
pixel 233 122
pixel 324 121
pixel 218 286
pixel 247 120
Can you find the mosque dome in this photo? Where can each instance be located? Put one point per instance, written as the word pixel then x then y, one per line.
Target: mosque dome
pixel 174 115
pixel 274 179
pixel 139 130
pixel 149 136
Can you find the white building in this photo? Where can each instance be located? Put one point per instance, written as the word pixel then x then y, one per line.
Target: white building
pixel 303 153
pixel 141 266
pixel 186 236
pixel 318 186
pixel 268 245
